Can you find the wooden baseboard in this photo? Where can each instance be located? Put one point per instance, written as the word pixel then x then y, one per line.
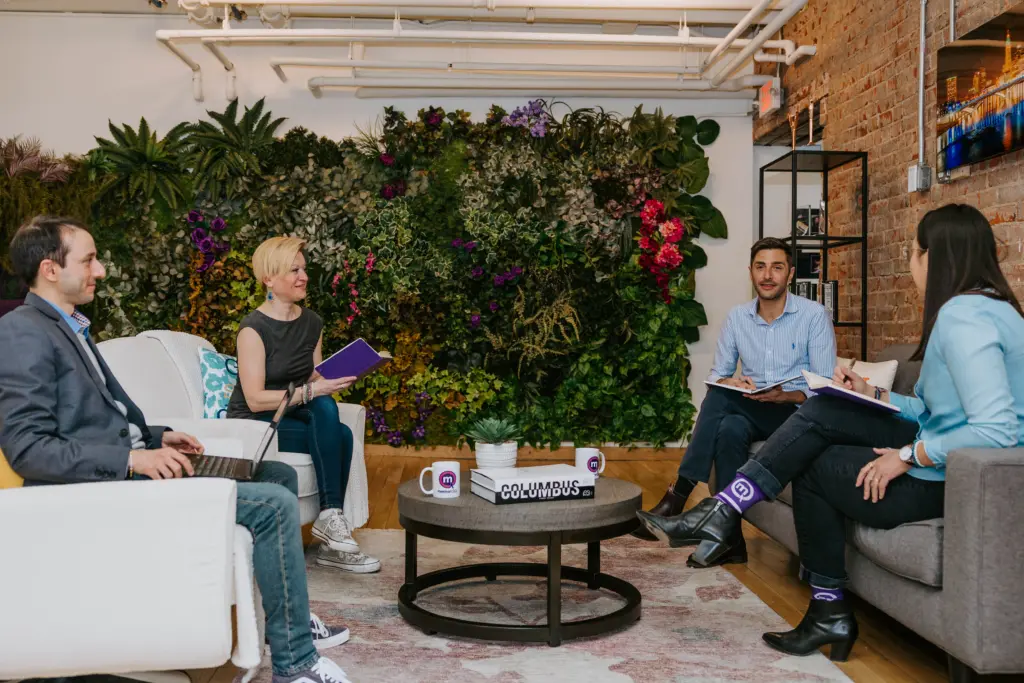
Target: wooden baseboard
pixel 567 454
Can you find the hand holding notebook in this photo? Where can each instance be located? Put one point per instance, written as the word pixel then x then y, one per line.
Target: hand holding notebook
pixel 828 387
pixel 358 359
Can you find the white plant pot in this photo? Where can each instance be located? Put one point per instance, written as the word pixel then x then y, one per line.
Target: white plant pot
pixel 496 455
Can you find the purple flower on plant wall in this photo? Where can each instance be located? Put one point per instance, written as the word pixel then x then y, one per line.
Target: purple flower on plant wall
pixel 420 432
pixel 422 396
pixel 477 272
pixel 494 306
pixel 205 245
pixel 387 159
pixel 470 246
pixel 536 107
pixel 205 265
pixel 499 280
pixel 395 438
pixel 388 192
pixel 218 224
pixel 474 321
pixel 457 242
pixel 194 216
pixel 434 117
pixel 538 129
pixel 198 235
pixel 517 271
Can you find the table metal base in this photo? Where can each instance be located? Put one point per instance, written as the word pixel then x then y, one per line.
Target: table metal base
pixel 554 631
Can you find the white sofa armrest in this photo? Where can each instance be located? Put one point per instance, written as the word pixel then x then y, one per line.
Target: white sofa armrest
pixel 250 432
pixel 139 576
pixel 357 495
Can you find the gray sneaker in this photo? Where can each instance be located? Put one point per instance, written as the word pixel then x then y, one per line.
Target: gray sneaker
pixel 357 563
pixel 325 636
pixel 324 671
pixel 332 528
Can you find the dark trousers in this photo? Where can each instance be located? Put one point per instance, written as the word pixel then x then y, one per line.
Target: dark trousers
pixel 821 449
pixel 315 428
pixel 727 425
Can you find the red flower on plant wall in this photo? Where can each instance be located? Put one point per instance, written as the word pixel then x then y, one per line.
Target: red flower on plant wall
pixel 659 248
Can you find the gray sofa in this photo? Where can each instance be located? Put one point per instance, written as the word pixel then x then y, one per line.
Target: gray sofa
pixel 958 581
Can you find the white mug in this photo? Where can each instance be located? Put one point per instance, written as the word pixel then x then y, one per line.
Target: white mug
pixel 591 460
pixel 446 479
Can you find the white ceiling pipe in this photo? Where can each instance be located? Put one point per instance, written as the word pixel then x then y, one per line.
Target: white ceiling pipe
pixel 376 64
pixel 395 93
pixel 759 41
pixel 790 59
pixel 197 74
pixel 555 15
pixel 229 67
pixel 462 82
pixel 304 35
pixel 754 14
pixel 680 5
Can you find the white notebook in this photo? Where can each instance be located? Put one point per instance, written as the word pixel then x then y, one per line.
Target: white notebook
pixel 826 387
pixel 761 390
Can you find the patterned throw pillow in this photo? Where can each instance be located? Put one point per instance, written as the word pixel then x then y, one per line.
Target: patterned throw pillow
pixel 220 375
pixel 881 374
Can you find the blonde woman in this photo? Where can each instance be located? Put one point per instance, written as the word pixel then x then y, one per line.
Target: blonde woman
pixel 281 342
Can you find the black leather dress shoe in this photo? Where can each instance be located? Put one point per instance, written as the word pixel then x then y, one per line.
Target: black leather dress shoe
pixel 735 553
pixel 709 520
pixel 825 623
pixel 670 505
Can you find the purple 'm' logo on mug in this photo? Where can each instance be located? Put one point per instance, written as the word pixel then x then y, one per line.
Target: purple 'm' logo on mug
pixel 447 479
pixel 593 464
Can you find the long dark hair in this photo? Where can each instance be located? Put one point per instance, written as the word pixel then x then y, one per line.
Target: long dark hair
pixel 962 259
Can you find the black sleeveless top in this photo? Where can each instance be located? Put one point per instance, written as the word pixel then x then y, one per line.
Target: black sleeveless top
pixel 289 345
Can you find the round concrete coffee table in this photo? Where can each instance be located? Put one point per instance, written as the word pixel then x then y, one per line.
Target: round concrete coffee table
pixel 471 519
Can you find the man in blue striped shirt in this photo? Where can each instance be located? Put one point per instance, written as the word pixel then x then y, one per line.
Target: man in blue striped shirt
pixel 773 337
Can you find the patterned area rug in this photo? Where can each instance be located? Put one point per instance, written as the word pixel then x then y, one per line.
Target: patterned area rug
pixel 697 625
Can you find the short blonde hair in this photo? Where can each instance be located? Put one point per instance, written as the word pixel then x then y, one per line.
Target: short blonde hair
pixel 275 256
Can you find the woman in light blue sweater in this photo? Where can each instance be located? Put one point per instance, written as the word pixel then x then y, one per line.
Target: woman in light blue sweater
pixel 848 462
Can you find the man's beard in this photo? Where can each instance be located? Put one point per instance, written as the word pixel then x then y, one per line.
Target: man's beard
pixel 771 296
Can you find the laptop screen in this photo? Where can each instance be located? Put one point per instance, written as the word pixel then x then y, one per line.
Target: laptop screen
pixel 269 434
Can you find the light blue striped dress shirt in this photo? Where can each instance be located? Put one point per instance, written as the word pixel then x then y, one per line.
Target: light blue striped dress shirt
pixel 801 338
pixel 971 390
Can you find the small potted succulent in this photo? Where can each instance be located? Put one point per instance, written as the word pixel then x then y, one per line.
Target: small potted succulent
pixel 494 442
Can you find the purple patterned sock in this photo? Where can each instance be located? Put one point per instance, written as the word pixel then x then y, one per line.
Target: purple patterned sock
pixel 826 594
pixel 741 494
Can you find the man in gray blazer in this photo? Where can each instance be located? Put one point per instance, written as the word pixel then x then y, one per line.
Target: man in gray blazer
pixel 65 419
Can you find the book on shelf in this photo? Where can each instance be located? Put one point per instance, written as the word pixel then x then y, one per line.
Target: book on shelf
pixel 830 298
pixel 503 486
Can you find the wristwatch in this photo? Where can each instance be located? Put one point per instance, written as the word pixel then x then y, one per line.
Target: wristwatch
pixel 907 456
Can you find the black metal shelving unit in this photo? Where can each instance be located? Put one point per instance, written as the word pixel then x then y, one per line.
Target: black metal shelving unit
pixel 824 162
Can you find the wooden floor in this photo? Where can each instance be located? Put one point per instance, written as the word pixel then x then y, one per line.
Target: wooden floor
pixel 886 651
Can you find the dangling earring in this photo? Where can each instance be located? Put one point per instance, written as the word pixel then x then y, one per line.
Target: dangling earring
pixel 270 296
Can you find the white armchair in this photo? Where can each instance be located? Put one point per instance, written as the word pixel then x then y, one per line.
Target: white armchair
pixel 160 371
pixel 124 577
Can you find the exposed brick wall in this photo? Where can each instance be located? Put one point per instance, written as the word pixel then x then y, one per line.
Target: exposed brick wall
pixel 867 66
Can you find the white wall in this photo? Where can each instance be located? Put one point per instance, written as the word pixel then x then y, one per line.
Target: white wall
pixel 65 76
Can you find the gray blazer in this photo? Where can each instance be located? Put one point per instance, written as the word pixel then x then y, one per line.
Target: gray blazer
pixel 59 422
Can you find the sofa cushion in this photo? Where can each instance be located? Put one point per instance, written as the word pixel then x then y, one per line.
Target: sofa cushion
pixel 220 375
pixel 908 370
pixel 881 374
pixel 913 551
pixel 141 365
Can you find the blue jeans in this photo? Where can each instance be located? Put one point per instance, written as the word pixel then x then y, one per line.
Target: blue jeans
pixel 269 509
pixel 315 428
pixel 728 424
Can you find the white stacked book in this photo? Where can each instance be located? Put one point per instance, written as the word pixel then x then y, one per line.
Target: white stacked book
pixel 503 486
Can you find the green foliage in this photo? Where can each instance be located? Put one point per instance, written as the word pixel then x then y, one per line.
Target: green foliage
pixel 503 263
pixel 492 430
pixel 230 151
pixel 137 166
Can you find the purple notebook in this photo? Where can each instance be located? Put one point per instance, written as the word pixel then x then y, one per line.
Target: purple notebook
pixel 821 385
pixel 355 360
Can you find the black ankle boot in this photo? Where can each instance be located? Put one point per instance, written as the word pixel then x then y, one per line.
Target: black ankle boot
pixel 709 520
pixel 825 623
pixel 712 554
pixel 671 504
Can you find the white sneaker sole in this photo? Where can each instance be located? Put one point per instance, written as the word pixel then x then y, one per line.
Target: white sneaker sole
pixel 354 568
pixel 340 546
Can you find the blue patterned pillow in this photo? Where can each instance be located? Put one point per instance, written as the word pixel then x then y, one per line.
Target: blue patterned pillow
pixel 220 375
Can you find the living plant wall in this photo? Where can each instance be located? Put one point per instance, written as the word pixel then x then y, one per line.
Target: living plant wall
pixel 537 265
